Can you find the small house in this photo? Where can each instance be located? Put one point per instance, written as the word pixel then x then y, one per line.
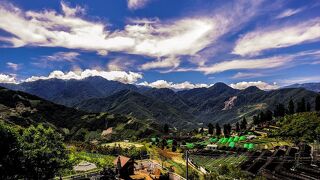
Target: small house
pixel 124 166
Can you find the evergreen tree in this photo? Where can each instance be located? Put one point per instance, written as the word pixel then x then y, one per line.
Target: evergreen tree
pixel 218 129
pixel 308 107
pixel 237 127
pixel 262 117
pixel 268 115
pixel 301 106
pixel 243 125
pixel 279 111
pixel 256 120
pixel 229 128
pixel 201 131
pixel 166 128
pixel 291 107
pixel 317 108
pixel 210 128
pixel 226 131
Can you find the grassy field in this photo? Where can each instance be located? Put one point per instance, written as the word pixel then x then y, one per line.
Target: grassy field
pixel 123 144
pixel 212 164
pixel 99 159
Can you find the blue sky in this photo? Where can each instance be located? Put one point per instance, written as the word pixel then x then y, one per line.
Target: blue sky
pixel 162 43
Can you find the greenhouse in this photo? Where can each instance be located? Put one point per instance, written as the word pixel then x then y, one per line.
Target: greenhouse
pixel 190 145
pixel 169 142
pixel 232 144
pixel 213 140
pixel 243 138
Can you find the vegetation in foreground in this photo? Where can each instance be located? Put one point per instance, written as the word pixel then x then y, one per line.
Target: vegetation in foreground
pixel 32 153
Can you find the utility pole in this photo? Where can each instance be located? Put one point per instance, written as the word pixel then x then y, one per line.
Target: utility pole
pixel 187 163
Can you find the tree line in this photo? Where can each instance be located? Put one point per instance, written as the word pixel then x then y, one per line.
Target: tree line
pixel 281 110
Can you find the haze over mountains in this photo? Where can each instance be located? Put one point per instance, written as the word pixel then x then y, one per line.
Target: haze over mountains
pixel 218 103
pixel 309 86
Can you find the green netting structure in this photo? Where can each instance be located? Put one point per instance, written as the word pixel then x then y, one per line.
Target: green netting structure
pixel 213 140
pixel 225 140
pixel 236 139
pixel 251 146
pixel 232 144
pixel 170 141
pixel 246 146
pixel 230 139
pixel 220 140
pixel 190 145
pixel 243 138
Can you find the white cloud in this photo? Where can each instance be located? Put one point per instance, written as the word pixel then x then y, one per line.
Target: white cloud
pixel 119 64
pixel 7 78
pixel 68 11
pixel 258 84
pixel 137 4
pixel 288 12
pixel 302 79
pixel 13 66
pixel 241 75
pixel 264 63
pixel 170 62
pixel 62 56
pixel 49 28
pixel 278 37
pixel 171 85
pixel 121 76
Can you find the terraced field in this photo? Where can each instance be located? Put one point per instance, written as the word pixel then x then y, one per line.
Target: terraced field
pixel 211 164
pixel 267 143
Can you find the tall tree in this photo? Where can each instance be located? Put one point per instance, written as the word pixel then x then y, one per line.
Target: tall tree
pixel 210 128
pixel 226 130
pixel 201 131
pixel 256 120
pixel 268 115
pixel 166 128
pixel 237 127
pixel 218 129
pixel 291 107
pixel 262 117
pixel 317 103
pixel 243 125
pixel 279 111
pixel 301 106
pixel 308 107
pixel 44 151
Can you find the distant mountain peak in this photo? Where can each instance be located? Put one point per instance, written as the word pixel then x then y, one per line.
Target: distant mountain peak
pixel 251 89
pixel 220 85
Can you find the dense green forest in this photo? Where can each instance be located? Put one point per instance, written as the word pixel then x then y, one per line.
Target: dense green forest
pixel 36 152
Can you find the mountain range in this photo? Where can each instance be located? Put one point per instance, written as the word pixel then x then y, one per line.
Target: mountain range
pixel 309 86
pixel 181 109
pixel 23 109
